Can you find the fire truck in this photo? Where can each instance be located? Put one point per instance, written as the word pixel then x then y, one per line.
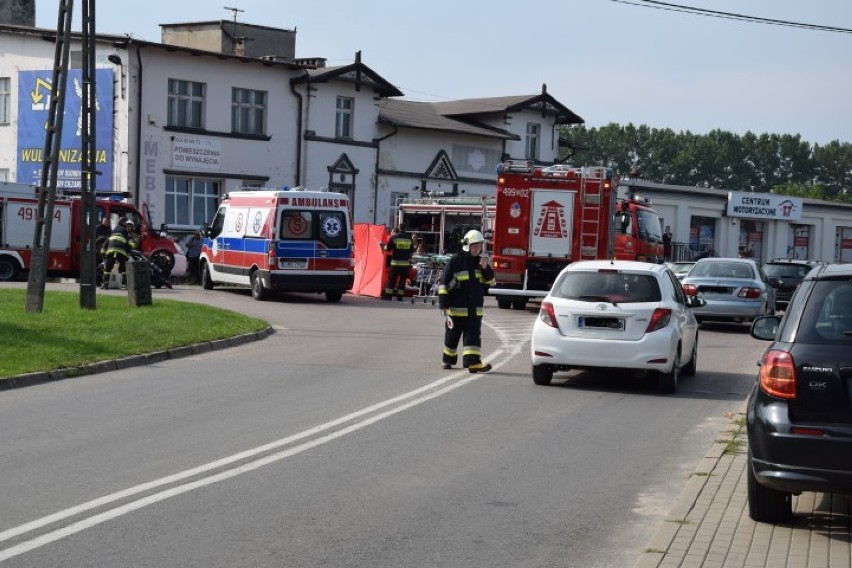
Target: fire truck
pixel 18 214
pixel 548 217
pixel 441 222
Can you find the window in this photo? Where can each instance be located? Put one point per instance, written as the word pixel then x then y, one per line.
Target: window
pixel 186 104
pixel 4 175
pixel 343 125
pixel 190 202
pixel 248 111
pixel 533 130
pixel 5 99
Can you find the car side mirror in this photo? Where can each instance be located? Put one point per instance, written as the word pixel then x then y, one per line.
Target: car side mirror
pixel 765 327
pixel 624 220
pixel 695 302
pixel 774 282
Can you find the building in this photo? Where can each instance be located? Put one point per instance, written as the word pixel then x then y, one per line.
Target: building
pixel 217 106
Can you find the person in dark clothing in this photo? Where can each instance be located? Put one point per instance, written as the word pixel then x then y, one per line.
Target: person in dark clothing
pixel 193 254
pixel 117 248
pixel 667 243
pixel 401 248
pixel 461 295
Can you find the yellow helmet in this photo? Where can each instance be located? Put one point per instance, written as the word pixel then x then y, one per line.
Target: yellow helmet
pixel 472 237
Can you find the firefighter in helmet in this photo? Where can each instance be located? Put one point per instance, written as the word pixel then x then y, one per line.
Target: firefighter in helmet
pixel 401 248
pixel 117 248
pixel 461 294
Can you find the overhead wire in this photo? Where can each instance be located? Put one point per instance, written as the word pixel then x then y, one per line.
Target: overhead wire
pixel 659 5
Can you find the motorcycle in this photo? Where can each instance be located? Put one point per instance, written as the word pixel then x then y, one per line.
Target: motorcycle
pixel 159 276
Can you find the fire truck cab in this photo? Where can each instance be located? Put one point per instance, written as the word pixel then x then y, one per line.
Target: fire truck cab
pixel 548 217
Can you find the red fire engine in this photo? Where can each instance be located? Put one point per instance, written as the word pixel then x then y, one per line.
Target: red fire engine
pixel 548 217
pixel 18 213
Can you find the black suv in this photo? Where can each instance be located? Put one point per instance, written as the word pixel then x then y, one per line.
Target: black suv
pixel 785 275
pixel 799 415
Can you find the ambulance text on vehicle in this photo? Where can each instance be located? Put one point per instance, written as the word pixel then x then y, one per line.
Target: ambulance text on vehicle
pixel 280 241
pixel 548 217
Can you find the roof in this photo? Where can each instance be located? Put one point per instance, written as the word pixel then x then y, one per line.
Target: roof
pixel 424 116
pixel 542 102
pixel 356 73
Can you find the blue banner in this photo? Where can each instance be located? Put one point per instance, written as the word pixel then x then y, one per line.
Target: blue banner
pixel 34 92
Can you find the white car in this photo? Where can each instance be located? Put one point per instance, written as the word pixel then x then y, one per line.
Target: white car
pixel 603 314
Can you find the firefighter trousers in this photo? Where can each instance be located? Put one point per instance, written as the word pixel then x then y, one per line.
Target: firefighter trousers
pixel 468 328
pixel 396 281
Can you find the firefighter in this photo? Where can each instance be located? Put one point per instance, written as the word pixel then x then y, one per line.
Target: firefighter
pixel 117 248
pixel 461 293
pixel 401 248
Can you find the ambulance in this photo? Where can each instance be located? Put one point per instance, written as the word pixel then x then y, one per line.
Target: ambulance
pixel 273 240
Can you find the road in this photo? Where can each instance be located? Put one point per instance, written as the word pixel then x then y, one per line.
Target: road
pixel 339 441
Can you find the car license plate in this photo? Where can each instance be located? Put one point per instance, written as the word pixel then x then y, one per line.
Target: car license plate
pixel 601 323
pixel 294 264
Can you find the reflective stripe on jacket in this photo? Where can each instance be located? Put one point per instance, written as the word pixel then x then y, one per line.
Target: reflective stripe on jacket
pixel 463 285
pixel 401 247
pixel 118 243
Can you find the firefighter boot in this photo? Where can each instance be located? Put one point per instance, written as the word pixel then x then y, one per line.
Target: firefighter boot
pixel 479 368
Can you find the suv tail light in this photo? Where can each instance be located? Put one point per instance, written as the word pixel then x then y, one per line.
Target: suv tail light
pixel 750 293
pixel 659 319
pixel 547 315
pixel 777 375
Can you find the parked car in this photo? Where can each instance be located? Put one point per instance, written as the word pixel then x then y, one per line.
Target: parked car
pixel 736 289
pixel 680 268
pixel 616 314
pixel 785 275
pixel 799 414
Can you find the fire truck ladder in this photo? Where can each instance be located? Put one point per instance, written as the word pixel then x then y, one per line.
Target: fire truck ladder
pixel 591 203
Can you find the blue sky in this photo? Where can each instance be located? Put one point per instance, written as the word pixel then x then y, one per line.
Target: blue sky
pixel 606 60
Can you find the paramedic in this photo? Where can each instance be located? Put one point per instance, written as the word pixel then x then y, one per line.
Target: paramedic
pixel 401 247
pixel 461 293
pixel 117 248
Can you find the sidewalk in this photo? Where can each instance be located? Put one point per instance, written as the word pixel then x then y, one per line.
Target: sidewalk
pixel 709 526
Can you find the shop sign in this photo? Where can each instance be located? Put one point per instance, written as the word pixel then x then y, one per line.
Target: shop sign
pixel 764 206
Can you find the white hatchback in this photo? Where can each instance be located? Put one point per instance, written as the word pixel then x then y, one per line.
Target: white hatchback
pixel 603 314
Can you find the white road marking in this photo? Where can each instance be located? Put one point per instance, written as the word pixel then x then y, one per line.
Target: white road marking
pixel 509 348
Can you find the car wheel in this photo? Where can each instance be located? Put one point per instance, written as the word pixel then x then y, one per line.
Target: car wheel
pixel 542 374
pixel 503 303
pixel 206 280
pixel 766 505
pixel 258 292
pixel 520 304
pixel 334 296
pixel 8 268
pixel 667 381
pixel 690 368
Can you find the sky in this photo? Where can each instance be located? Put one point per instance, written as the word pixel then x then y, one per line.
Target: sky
pixel 609 61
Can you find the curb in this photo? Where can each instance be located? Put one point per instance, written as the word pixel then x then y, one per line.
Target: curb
pixel 692 505
pixel 41 377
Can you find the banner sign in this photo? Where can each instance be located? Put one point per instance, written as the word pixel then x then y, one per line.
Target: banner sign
pixel 34 92
pixel 766 206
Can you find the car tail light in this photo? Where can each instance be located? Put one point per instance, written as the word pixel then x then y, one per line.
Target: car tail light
pixel 750 293
pixel 547 315
pixel 777 375
pixel 690 289
pixel 273 261
pixel 659 319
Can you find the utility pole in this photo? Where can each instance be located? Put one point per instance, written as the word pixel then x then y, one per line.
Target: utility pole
pixel 52 142
pixel 88 166
pixel 234 33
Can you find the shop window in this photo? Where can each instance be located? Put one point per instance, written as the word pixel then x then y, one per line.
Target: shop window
pixel 799 242
pixel 190 202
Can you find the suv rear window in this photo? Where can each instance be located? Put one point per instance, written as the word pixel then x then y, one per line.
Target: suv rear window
pixel 786 270
pixel 607 286
pixel 827 317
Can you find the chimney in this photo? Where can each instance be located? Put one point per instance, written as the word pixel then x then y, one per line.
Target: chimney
pixel 18 12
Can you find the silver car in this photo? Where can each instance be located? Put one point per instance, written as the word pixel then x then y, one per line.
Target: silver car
pixel 736 289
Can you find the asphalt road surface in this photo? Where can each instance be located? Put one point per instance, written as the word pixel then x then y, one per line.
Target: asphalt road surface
pixel 339 441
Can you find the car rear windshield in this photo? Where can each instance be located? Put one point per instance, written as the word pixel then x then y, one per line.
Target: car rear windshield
pixel 827 317
pixel 786 270
pixel 722 270
pixel 607 286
